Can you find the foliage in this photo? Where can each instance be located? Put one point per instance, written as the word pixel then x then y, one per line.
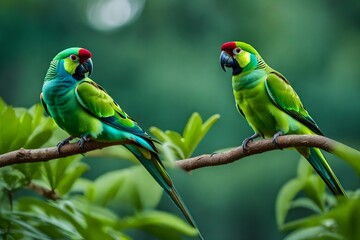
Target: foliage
pixel 176 146
pixel 164 66
pixel 51 200
pixel 328 217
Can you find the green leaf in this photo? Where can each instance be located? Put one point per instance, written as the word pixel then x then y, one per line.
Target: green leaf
pixel 11 178
pixel 37 111
pixel 171 154
pixel 315 189
pixel 39 139
pixel 192 131
pixel 306 203
pixel 285 196
pixel 70 177
pixel 172 146
pixel 178 142
pixel 2 105
pixel 159 134
pixel 160 224
pixel 53 218
pixel 304 168
pixel 30 170
pixel 209 123
pixel 104 220
pixel 314 233
pixel 195 131
pixel 23 132
pixel 62 173
pixel 9 125
pixel 133 187
pixel 184 146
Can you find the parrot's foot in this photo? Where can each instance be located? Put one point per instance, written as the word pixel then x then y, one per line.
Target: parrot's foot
pixel 82 140
pixel 249 139
pixel 275 137
pixel 64 142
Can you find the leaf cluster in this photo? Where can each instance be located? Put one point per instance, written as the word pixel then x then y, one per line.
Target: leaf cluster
pixel 52 200
pixel 177 146
pixel 324 216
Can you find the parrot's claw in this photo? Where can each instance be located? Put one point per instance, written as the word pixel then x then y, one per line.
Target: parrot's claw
pixel 275 137
pixel 249 139
pixel 82 140
pixel 64 142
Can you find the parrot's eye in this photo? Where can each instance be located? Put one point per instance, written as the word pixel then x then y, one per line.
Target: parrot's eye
pixel 73 57
pixel 237 50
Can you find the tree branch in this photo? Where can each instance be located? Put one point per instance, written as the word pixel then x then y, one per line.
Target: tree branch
pixel 256 147
pixel 46 154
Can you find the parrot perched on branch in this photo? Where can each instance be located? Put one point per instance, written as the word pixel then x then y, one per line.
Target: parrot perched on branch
pixel 85 110
pixel 271 106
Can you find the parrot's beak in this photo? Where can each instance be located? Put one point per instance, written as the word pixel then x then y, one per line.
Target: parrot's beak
pixel 84 69
pixel 228 61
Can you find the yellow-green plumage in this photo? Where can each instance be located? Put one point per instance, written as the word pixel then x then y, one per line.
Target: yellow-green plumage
pixel 271 106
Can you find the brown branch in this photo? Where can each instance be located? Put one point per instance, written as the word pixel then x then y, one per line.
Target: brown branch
pixel 256 147
pixel 47 193
pixel 46 154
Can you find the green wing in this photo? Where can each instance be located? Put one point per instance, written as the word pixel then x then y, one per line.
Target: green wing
pixel 285 98
pixel 98 103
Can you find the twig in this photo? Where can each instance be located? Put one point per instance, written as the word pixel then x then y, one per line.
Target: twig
pixel 47 193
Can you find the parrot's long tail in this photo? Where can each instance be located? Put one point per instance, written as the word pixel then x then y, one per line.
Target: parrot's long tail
pixel 152 163
pixel 321 166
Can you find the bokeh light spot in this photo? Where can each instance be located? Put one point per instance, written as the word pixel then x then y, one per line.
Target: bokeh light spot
pixel 107 15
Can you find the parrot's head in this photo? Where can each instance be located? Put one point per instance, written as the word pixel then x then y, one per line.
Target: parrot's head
pixel 239 56
pixel 73 61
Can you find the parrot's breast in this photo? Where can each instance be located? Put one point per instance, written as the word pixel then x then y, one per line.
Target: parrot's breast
pixel 65 109
pixel 260 112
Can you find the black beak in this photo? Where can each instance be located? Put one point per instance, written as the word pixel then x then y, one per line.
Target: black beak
pixel 228 61
pixel 83 69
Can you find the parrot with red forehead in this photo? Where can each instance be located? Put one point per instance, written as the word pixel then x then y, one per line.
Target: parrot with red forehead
pixel 85 110
pixel 265 98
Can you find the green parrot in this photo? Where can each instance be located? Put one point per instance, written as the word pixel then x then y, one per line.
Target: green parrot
pixel 271 106
pixel 85 110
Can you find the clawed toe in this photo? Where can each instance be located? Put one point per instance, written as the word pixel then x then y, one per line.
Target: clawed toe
pixel 64 142
pixel 82 141
pixel 275 139
pixel 248 140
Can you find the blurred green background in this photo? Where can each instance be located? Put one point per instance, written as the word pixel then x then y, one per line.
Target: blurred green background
pixel 160 61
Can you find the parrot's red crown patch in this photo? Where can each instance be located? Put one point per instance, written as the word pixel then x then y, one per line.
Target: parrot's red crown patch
pixel 228 46
pixel 84 53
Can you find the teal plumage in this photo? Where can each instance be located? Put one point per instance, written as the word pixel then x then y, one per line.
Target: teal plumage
pixel 271 106
pixel 85 110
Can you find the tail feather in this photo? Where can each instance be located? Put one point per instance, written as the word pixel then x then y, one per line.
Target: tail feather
pixel 154 166
pixel 321 166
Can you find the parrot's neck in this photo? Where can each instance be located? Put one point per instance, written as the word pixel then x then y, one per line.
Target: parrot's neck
pixel 55 75
pixel 248 80
pixel 51 72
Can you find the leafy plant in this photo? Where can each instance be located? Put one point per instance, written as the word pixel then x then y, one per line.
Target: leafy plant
pixel 328 217
pixel 51 200
pixel 180 146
